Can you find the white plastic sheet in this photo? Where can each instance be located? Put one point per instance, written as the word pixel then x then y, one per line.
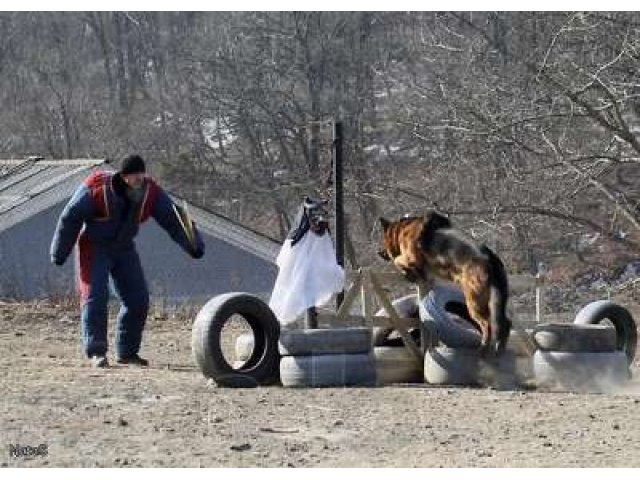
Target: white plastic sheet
pixel 308 276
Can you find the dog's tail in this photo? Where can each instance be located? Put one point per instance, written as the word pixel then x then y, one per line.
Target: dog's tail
pixel 499 295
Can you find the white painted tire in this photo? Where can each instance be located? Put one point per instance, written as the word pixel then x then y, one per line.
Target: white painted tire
pixel 356 369
pixel 396 365
pixel 571 337
pixel 466 366
pixel 451 366
pixel 406 306
pixel 325 341
pixel 580 371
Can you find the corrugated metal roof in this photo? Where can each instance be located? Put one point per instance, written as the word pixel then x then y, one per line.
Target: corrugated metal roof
pixel 30 186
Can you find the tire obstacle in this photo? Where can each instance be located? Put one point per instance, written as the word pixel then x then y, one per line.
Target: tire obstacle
pixel 260 368
pixel 587 355
pixel 434 343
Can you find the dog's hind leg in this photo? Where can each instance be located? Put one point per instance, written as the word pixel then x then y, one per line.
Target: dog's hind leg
pixel 476 295
pixel 480 316
pixel 499 294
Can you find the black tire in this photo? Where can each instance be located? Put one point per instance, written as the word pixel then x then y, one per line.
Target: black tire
pixel 580 371
pixel 571 337
pixel 262 366
pixel 452 330
pixel 396 365
pixel 325 341
pixel 626 328
pixel 355 369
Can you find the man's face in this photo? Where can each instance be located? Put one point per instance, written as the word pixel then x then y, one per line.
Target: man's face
pixel 134 180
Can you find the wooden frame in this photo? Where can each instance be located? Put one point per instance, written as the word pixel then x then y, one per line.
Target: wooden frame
pixel 369 284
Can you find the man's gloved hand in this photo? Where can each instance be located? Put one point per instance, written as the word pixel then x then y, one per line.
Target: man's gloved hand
pixel 197 252
pixel 57 261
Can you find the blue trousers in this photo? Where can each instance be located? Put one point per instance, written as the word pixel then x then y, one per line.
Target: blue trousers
pixel 97 264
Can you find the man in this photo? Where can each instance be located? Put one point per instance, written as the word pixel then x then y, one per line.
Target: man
pixel 103 217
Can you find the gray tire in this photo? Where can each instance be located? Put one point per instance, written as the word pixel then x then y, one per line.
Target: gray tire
pixel 380 335
pixel 571 337
pixel 580 371
pixel 451 366
pixel 466 366
pixel 524 371
pixel 325 341
pixel 626 328
pixel 396 365
pixel 521 343
pixel 406 307
pixel 457 332
pixel 262 366
pixel 355 369
pixel 451 329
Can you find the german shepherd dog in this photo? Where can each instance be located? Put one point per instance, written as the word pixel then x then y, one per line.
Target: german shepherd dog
pixel 424 248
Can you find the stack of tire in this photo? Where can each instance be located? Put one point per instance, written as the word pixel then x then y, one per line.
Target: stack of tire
pixel 394 363
pixel 456 359
pixel 586 356
pixel 329 357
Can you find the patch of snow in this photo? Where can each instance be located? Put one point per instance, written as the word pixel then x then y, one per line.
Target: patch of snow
pixel 215 135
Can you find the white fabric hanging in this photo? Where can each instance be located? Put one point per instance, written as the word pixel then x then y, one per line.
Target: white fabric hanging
pixel 308 276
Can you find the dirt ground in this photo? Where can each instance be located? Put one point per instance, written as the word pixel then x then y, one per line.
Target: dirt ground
pixel 169 415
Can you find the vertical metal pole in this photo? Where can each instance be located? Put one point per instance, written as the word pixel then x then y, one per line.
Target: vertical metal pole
pixel 540 287
pixel 311 316
pixel 339 208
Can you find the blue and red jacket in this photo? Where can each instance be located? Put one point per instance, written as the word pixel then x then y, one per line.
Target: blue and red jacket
pixel 99 215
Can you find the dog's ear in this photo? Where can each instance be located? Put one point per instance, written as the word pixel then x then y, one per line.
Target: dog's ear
pixel 436 221
pixel 384 223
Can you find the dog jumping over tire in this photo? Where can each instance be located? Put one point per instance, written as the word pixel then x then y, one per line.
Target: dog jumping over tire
pixel 428 248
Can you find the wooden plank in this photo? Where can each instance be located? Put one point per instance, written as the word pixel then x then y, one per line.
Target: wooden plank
pixel 385 276
pixel 365 302
pixel 349 297
pixel 406 338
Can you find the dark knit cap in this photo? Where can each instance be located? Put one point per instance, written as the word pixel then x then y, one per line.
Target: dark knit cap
pixel 132 164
